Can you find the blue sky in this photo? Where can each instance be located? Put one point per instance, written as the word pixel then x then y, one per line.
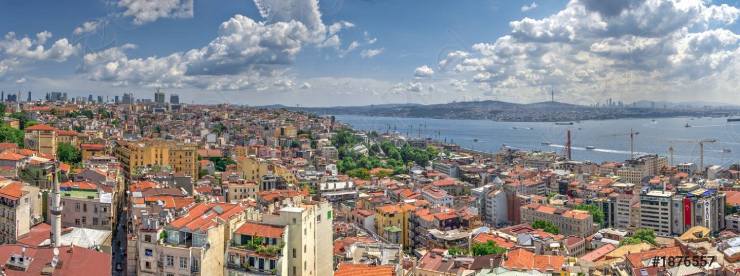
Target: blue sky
pixel 343 52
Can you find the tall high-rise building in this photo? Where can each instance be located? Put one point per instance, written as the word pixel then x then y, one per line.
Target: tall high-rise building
pixel 128 98
pixel 29 97
pixel 174 99
pixel 116 99
pixel 90 98
pixel 159 97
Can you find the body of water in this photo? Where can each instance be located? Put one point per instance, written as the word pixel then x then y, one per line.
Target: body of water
pixel 606 140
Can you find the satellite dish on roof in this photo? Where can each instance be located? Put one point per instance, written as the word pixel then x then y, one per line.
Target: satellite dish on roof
pixel 56 251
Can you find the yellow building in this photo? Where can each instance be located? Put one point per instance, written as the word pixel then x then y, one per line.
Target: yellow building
pixel 41 138
pixel 68 136
pixel 181 157
pixel 91 150
pixel 392 222
pixel 253 169
pixel 288 131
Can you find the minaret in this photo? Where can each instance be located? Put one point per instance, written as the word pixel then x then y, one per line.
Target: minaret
pixel 56 209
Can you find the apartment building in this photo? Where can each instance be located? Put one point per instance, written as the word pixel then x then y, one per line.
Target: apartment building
pixel 496 212
pixel 655 211
pixel 41 138
pixel 89 151
pixel 15 212
pixel 694 205
pixel 392 223
pixel 648 165
pixel 437 196
pixel 569 222
pixel 192 244
pixel 622 210
pixel 84 205
pixel 309 241
pixel 258 248
pixel 181 157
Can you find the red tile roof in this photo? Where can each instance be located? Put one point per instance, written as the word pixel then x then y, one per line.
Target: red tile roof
pixel 12 191
pixel 485 237
pixel 521 259
pixel 260 230
pixel 73 260
pixel 81 185
pixel 347 269
pixel 40 127
pixel 11 156
pixel 203 216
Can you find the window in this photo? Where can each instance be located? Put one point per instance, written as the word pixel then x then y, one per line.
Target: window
pixel 77 206
pixel 293 252
pixel 148 238
pixel 84 207
pixel 95 221
pixel 84 220
pixel 194 266
pixel 170 261
pixel 148 265
pixel 318 218
pixel 183 262
pixel 77 222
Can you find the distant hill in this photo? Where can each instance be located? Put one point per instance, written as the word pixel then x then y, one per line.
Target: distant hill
pixel 505 111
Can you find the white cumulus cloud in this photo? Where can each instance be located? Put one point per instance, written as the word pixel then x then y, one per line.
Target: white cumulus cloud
pixel 146 11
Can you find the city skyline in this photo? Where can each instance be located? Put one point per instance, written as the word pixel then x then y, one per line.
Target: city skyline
pixel 373 52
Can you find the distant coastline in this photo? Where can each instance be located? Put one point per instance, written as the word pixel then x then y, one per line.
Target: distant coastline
pixel 513 112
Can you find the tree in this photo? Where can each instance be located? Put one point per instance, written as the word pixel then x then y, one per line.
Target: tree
pixel 221 163
pixel 640 236
pixel 488 248
pixel 11 135
pixel 594 210
pixel 343 137
pixel 455 251
pixel 546 226
pixel 68 153
pixel 2 108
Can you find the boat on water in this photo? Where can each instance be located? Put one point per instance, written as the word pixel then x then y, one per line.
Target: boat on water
pixel 590 147
pixel 546 143
pixel 687 125
pixel 733 120
pixel 726 150
pixel 564 123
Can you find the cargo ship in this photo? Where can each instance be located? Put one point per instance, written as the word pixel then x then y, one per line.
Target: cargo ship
pixel 733 119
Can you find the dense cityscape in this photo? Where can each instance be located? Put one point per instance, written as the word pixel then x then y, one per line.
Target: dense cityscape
pixel 370 138
pixel 134 186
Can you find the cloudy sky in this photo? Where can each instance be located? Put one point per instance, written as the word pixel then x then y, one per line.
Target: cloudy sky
pixel 357 52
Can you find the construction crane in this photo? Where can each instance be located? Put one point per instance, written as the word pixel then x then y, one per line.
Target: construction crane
pixel 701 143
pixel 631 134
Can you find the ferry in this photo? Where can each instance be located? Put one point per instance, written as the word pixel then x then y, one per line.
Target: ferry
pixel 564 123
pixel 687 125
pixel 726 150
pixel 590 147
pixel 546 143
pixel 733 120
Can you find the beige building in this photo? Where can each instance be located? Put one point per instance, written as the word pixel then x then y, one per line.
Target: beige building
pixel 193 244
pixel 309 242
pixel 41 138
pixel 569 222
pixel 256 169
pixel 181 157
pixel 240 190
pixel 15 212
pixel 84 206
